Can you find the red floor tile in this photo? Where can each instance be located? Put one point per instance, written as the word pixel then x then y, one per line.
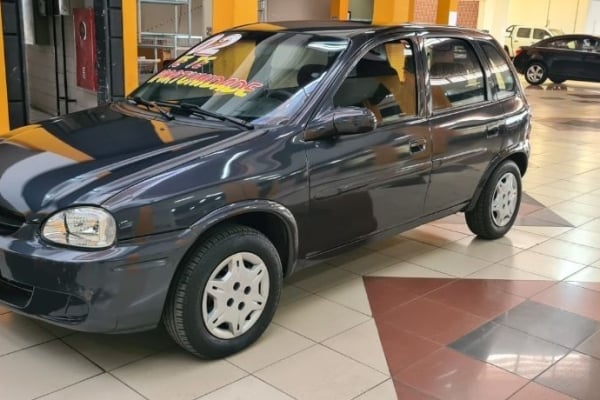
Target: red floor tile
pixel 407 393
pixel 431 320
pixel 476 297
pixel 533 391
pixel 403 349
pixel 572 298
pixel 387 293
pixel 520 288
pixel 449 375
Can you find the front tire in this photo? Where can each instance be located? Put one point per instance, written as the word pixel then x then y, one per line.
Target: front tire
pixel 498 205
pixel 536 73
pixel 224 296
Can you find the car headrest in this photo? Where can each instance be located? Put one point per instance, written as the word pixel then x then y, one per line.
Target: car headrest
pixel 309 73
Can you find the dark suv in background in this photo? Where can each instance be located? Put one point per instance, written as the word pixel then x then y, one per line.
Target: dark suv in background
pixel 255 154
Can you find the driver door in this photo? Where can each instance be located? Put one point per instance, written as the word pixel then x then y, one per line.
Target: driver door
pixel 365 183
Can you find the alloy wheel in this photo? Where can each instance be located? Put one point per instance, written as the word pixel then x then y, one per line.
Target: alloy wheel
pixel 504 200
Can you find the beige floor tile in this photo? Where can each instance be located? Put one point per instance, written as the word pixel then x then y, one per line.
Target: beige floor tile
pixel 249 388
pixel 589 199
pixel 433 235
pixel 568 251
pixel 113 351
pixel 520 239
pixel 42 369
pixel 547 201
pixel 317 318
pixel 351 294
pixel 571 216
pixel 406 250
pixel 18 332
pixel 385 391
pixel 56 330
pixel 175 375
pixel 498 271
pixel 548 231
pixel 3 310
pixel 315 374
pixel 582 237
pixel 320 277
pixel 367 263
pixel 450 262
pixel 592 226
pixel 353 254
pixel 485 249
pixel 573 207
pixel 291 293
pixel 275 344
pixel 451 226
pixel 101 387
pixel 362 344
pixel 545 190
pixel 404 269
pixel 589 274
pixel 544 265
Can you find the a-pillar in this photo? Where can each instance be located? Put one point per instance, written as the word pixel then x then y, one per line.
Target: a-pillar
pixel 447 12
pixel 230 13
pixel 390 12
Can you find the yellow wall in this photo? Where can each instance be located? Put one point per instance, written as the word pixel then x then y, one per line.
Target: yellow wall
pixel 4 123
pixel 130 46
pixel 389 12
pixel 561 14
pixel 230 13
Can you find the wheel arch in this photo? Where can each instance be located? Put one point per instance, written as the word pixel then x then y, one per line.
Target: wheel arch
pixel 518 157
pixel 272 219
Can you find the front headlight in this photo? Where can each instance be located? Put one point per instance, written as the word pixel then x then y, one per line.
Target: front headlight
pixel 90 227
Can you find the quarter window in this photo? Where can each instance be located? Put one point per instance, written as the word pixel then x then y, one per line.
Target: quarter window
pixel 504 80
pixel 523 32
pixel 455 74
pixel 384 82
pixel 540 34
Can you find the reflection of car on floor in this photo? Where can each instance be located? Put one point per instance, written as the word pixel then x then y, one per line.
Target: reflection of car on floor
pixel 560 58
pixel 263 150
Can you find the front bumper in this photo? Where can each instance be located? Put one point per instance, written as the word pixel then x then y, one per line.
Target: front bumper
pixel 120 289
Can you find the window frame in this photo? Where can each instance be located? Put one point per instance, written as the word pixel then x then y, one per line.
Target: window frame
pixel 492 83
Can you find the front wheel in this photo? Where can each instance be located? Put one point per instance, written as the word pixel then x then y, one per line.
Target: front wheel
pixel 224 296
pixel 498 205
pixel 536 73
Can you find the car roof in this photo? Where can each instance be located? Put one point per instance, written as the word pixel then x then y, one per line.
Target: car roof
pixel 572 36
pixel 349 29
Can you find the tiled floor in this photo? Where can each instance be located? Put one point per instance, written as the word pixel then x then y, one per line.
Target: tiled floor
pixel 431 314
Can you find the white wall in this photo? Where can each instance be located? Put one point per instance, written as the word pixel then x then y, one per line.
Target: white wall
pixel 287 10
pixel 568 15
pixel 593 19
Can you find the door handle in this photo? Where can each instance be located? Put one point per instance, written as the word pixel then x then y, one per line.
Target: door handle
pixel 492 130
pixel 417 145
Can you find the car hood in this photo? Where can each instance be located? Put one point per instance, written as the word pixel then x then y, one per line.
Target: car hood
pixel 87 157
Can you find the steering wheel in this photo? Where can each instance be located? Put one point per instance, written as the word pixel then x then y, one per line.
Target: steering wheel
pixel 281 95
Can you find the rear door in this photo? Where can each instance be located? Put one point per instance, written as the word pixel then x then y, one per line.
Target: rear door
pixel 466 123
pixel 591 58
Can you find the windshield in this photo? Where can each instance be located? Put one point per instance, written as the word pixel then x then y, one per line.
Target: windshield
pixel 257 77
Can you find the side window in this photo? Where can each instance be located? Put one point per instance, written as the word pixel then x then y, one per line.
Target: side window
pixel 523 32
pixel 539 34
pixel 383 81
pixel 504 81
pixel 455 74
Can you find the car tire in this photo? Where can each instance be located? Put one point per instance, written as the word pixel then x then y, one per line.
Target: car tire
pixel 557 81
pixel 536 73
pixel 225 294
pixel 498 204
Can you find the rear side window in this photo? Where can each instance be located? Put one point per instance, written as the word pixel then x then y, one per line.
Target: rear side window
pixel 504 80
pixel 455 74
pixel 540 34
pixel 523 32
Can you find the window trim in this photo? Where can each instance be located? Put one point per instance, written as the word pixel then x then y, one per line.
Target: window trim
pixel 492 76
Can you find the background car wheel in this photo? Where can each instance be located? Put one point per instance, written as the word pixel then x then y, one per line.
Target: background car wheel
pixel 225 294
pixel 498 205
pixel 536 73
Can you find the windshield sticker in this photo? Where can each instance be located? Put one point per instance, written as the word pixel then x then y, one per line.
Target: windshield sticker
pixel 220 84
pixel 195 62
pixel 213 45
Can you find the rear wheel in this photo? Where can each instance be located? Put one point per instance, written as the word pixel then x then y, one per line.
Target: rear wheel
pixel 224 296
pixel 536 73
pixel 498 205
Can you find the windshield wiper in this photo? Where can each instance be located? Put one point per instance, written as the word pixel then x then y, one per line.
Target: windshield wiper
pixel 140 101
pixel 196 109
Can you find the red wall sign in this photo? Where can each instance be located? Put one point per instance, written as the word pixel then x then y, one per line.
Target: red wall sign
pixel 85 48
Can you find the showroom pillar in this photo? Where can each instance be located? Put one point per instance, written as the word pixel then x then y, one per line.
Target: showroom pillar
pixel 4 125
pixel 387 12
pixel 339 9
pixel 447 12
pixel 230 13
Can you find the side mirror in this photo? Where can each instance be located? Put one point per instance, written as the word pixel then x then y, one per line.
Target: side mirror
pixel 353 120
pixel 341 121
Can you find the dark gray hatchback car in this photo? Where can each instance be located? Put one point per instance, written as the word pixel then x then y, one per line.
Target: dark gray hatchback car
pixel 261 151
